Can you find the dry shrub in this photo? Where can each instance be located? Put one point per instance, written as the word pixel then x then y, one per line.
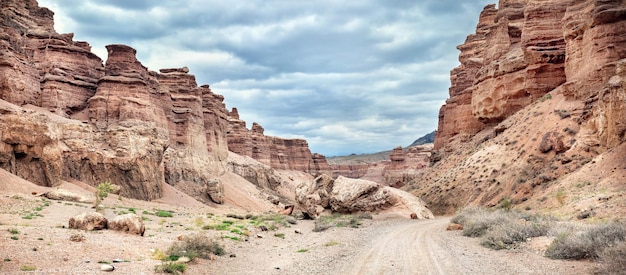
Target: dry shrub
pixel 477 221
pixel 587 242
pixel 505 236
pixel 340 220
pixel 502 228
pixel 613 259
pixel 197 245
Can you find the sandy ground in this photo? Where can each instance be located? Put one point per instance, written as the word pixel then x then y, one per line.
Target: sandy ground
pixel 33 235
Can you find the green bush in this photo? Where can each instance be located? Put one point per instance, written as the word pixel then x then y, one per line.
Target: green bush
pixel 164 214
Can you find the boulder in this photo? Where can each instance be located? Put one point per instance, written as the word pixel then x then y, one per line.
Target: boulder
pixel 347 195
pixel 454 226
pixel 64 195
pixel 215 191
pixel 88 221
pixel 314 196
pixel 131 223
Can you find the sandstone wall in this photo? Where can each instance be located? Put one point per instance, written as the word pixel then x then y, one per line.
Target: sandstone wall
pixel 548 92
pixel 66 115
pixel 279 153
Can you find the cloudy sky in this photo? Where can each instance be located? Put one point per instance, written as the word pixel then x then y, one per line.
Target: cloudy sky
pixel 348 76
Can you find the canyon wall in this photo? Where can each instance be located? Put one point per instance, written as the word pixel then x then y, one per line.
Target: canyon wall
pixel 66 115
pixel 539 95
pixel 278 153
pixel 525 49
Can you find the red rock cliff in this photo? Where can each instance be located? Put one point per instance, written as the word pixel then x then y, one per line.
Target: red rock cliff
pixel 524 50
pixel 536 103
pixel 279 153
pixel 65 115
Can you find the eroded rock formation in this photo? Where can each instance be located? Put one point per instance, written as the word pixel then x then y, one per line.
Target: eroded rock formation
pixel 66 115
pixel 539 95
pixel 346 195
pixel 279 153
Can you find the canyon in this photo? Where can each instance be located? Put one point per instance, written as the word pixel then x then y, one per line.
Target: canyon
pixel 536 103
pixel 535 121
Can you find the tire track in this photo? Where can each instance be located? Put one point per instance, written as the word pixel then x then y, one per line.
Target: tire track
pixel 410 248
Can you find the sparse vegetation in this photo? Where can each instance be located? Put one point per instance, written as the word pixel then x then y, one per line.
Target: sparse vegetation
pixel 587 241
pixel 502 229
pixel 164 214
pixel 171 267
pixel 303 250
pixel 28 268
pixel 280 235
pixel 13 231
pixel 505 229
pixel 102 191
pixel 331 243
pixel 197 245
pixel 613 259
pixel 561 196
pixel 339 220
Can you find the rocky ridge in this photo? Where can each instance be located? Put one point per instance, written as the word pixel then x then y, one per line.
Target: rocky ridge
pixel 66 115
pixel 538 97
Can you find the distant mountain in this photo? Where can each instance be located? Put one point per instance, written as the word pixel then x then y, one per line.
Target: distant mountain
pixel 359 159
pixel 428 138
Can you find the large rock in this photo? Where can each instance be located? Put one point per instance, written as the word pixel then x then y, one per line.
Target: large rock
pixel 88 221
pixel 64 195
pixel 314 196
pixel 347 195
pixel 130 223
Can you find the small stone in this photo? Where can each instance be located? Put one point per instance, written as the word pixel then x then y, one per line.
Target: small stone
pixel 233 256
pixel 117 260
pixel 298 231
pixel 259 236
pixel 107 267
pixel 87 261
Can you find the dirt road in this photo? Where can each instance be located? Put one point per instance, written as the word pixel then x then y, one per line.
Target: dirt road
pixel 425 247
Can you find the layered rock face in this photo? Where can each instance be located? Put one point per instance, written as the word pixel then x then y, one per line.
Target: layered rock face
pixel 279 153
pixel 197 123
pixel 548 89
pixel 65 115
pixel 516 56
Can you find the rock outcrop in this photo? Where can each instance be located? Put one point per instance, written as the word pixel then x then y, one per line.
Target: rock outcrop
pixel 346 195
pixel 66 115
pixel 539 94
pixel 279 153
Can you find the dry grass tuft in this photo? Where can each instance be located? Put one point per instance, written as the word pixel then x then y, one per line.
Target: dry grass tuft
pixel 197 245
pixel 586 242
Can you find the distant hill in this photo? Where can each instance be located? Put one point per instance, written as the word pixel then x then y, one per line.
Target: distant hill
pixel 376 157
pixel 359 159
pixel 428 138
